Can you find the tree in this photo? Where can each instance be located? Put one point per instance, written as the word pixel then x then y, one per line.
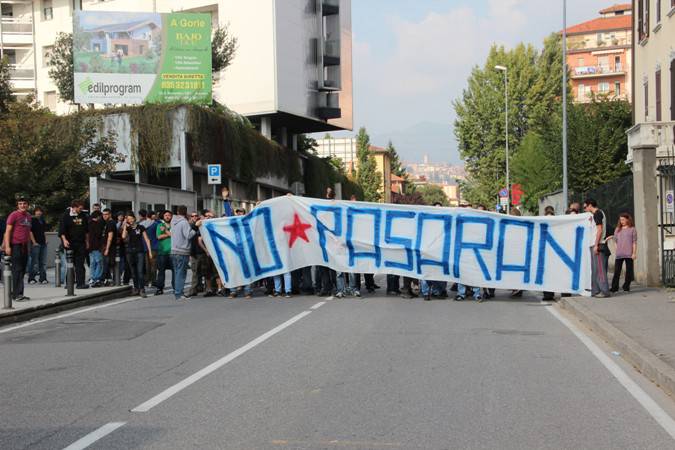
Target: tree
pixel 6 96
pixel 533 170
pixel 367 175
pixel 223 49
pixel 50 158
pixel 307 144
pixel 432 193
pixel 479 127
pixel 61 66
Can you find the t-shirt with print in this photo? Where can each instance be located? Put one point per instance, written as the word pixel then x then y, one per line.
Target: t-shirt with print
pixel 135 241
pixel 21 222
pixel 163 245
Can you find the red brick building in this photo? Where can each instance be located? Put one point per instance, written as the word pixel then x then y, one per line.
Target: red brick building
pixel 599 54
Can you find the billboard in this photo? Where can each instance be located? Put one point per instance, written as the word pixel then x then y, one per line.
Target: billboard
pixel 132 58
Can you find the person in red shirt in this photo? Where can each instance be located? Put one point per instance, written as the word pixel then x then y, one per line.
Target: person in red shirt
pixel 15 242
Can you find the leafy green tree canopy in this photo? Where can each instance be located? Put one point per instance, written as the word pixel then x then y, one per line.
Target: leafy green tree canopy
pixel 367 175
pixel 6 96
pixel 432 193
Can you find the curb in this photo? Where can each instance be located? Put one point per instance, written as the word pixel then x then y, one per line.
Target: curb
pixel 22 315
pixel 644 361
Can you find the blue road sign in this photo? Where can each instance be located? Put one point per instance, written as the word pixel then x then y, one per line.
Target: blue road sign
pixel 214 174
pixel 504 193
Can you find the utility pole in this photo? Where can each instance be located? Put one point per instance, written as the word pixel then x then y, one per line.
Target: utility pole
pixel 564 105
pixel 506 119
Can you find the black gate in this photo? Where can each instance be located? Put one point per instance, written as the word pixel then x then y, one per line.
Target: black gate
pixel 666 174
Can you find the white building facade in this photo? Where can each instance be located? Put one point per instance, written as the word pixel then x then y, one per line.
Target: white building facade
pixel 651 141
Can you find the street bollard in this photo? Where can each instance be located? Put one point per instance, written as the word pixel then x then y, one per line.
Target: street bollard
pixel 70 274
pixel 57 269
pixel 7 279
pixel 116 275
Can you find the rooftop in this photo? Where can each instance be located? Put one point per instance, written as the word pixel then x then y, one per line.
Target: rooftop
pixel 602 24
pixel 619 8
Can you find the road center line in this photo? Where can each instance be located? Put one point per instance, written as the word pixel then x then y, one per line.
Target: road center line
pixel 176 388
pixel 61 316
pixel 631 386
pixel 318 305
pixel 94 436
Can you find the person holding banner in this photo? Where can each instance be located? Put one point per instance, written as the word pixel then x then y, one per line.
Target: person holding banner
pixel 248 289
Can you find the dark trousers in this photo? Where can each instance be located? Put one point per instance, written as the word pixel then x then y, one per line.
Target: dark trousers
pixel 136 265
pixel 618 265
pixel 19 264
pixel 393 282
pixel 407 285
pixel 306 286
pixel 79 256
pixel 163 264
pixel 326 278
pixel 369 280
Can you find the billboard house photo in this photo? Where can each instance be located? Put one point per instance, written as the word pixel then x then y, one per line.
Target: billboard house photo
pixel 132 58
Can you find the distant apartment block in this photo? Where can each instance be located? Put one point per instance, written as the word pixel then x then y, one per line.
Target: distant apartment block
pixel 599 54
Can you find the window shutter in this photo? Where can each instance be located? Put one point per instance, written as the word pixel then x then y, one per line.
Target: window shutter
pixel 658 96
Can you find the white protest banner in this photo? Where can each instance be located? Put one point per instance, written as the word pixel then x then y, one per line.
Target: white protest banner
pixel 475 248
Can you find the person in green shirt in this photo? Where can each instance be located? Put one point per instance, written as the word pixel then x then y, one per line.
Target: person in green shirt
pixel 163 232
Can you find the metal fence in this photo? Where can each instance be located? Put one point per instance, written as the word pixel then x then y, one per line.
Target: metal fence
pixel 613 198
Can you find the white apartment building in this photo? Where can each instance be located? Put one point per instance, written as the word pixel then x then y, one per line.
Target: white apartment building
pixel 292 72
pixel 651 141
pixel 341 148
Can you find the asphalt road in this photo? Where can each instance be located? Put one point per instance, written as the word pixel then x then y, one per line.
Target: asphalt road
pixel 374 373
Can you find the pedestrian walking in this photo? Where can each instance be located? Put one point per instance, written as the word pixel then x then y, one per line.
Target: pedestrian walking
pixel 181 235
pixel 95 245
pixel 38 252
pixel 16 239
pixel 599 250
pixel 163 234
pixel 136 241
pixel 625 237
pixel 73 231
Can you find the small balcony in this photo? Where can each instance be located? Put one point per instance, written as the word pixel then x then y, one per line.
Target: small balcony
pixel 17 32
pixel 597 71
pixel 331 52
pixel 329 106
pixel 17 72
pixel 330 7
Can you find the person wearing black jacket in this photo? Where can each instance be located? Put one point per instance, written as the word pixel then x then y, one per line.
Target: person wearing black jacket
pixel 38 252
pixel 73 231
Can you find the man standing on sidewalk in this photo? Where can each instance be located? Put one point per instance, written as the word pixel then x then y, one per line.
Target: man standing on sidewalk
pixel 109 245
pixel 73 232
pixel 599 251
pixel 181 236
pixel 163 236
pixel 95 244
pixel 38 252
pixel 17 236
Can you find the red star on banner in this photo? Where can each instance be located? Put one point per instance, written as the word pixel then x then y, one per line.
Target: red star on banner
pixel 297 230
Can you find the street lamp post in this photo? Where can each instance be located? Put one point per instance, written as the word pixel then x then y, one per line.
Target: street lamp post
pixel 506 114
pixel 564 105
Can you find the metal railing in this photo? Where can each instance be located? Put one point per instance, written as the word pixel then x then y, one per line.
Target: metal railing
pixel 331 48
pixel 17 26
pixel 597 70
pixel 21 72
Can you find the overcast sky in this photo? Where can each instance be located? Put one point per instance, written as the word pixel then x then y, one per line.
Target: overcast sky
pixel 412 59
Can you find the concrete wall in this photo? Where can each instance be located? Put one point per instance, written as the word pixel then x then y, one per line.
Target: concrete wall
pixel 554 199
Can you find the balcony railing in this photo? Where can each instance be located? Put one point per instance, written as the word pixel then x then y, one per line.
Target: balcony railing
pixel 330 7
pixel 17 26
pixel 331 52
pixel 589 71
pixel 21 72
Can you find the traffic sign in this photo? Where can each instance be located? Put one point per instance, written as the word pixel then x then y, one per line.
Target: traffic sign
pixel 504 193
pixel 504 201
pixel 215 175
pixel 670 201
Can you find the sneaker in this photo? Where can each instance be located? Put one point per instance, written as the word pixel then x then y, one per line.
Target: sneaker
pixel 459 298
pixel 287 295
pixel 32 282
pixel 479 299
pixel 601 295
pixel 21 298
pixel 357 294
pixel 183 298
pixel 143 294
pixel 159 292
pixel 44 282
pixel 339 295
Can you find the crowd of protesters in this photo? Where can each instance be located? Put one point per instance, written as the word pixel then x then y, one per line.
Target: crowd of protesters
pixel 151 243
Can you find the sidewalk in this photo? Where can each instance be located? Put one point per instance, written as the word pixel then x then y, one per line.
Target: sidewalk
pixel 48 299
pixel 639 324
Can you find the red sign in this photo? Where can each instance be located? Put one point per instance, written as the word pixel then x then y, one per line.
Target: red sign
pixel 516 194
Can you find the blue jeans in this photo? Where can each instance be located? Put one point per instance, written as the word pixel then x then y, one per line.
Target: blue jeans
pixel 433 287
pixel 461 290
pixel 96 265
pixel 287 283
pixel 38 262
pixel 180 266
pixel 340 282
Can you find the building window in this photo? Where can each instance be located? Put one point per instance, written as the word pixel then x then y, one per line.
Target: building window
pixel 580 62
pixel 643 19
pixel 47 10
pixel 617 88
pixel 646 101
pixel 617 64
pixel 603 64
pixel 603 87
pixel 672 85
pixel 581 92
pixel 658 95
pixel 658 11
pixel 46 53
